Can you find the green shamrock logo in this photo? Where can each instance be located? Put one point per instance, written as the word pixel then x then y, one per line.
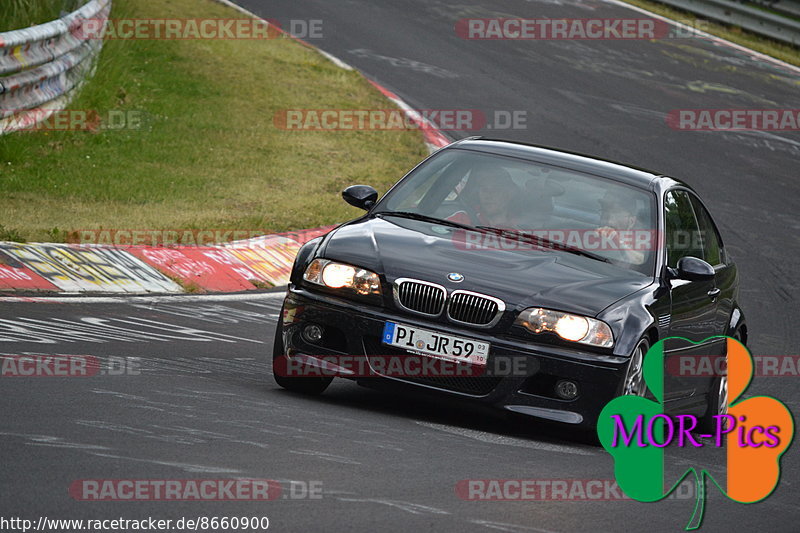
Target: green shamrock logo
pixel 755 432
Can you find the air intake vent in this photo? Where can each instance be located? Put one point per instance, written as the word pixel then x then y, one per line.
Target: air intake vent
pixel 419 296
pixel 475 309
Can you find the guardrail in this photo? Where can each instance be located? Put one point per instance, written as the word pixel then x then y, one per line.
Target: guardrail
pixel 786 7
pixel 43 67
pixel 752 19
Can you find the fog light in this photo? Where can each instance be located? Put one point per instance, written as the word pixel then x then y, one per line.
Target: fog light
pixel 567 390
pixel 312 333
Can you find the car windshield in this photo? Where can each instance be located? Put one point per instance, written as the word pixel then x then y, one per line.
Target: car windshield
pixel 530 203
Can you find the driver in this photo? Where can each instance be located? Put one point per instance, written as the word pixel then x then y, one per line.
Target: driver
pixel 618 215
pixel 496 195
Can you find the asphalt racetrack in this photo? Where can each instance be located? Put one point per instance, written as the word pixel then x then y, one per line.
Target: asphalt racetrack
pixel 200 402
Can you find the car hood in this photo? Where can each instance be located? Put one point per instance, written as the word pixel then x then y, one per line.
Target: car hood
pixel 398 248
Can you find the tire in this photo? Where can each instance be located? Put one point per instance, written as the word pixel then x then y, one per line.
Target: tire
pixel 717 399
pixel 717 405
pixel 309 385
pixel 635 365
pixel 634 384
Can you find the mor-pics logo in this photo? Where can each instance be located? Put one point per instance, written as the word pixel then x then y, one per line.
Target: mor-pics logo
pixel 755 433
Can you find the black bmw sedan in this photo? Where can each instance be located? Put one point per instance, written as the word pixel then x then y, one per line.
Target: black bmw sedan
pixel 524 278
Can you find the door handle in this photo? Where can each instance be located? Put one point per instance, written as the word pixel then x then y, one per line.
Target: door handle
pixel 713 293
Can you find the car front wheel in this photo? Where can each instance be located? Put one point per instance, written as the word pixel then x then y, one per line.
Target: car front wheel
pixel 634 384
pixel 717 398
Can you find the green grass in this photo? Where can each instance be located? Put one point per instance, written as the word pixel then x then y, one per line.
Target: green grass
pixel 208 156
pixel 16 14
pixel 784 52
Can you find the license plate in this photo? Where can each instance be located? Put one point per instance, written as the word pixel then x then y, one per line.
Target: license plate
pixel 452 348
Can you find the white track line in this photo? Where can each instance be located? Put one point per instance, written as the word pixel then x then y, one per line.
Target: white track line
pixel 336 61
pixel 708 36
pixel 176 298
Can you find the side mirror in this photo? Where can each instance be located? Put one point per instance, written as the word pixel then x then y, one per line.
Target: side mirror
pixel 692 269
pixel 361 196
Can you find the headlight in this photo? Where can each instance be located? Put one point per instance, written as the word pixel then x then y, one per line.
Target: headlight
pixel 569 327
pixel 341 276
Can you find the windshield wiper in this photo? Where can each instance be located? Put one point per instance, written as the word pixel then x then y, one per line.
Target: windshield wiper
pixel 425 218
pixel 545 242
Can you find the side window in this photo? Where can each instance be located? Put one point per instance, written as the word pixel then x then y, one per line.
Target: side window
pixel 682 232
pixel 712 244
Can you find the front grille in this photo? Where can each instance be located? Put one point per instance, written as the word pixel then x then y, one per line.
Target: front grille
pixel 420 296
pixel 476 386
pixel 473 308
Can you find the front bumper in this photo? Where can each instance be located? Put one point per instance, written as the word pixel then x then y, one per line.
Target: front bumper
pixel 354 329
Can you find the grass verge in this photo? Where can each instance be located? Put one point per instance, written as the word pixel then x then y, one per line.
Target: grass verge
pixel 16 14
pixel 207 155
pixel 784 52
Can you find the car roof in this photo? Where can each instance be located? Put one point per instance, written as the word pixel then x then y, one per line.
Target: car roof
pixel 630 175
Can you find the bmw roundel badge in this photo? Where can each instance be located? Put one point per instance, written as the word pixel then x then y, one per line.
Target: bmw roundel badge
pixel 455 277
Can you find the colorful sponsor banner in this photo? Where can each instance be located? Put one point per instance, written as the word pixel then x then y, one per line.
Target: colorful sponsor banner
pixel 98 269
pixel 239 266
pixel 210 268
pixel 14 275
pixel 270 258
